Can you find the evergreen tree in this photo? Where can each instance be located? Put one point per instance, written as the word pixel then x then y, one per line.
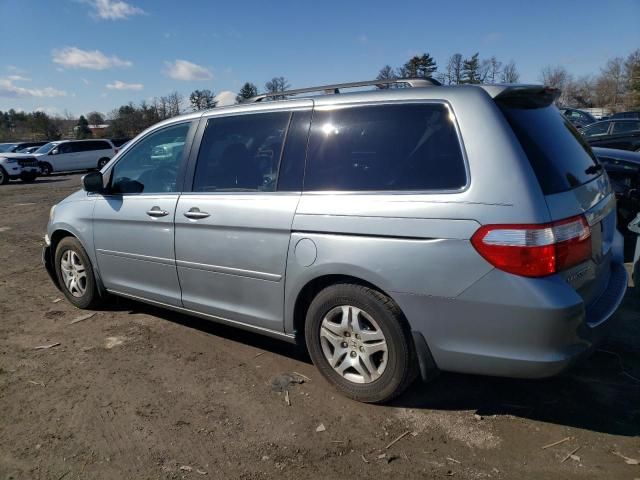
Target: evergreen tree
pixel 418 66
pixel 82 128
pixel 471 69
pixel 247 91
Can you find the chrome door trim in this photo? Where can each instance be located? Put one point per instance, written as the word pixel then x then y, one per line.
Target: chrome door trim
pixel 137 256
pixel 271 277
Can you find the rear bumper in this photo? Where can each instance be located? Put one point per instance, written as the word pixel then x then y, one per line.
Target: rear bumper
pixel 512 326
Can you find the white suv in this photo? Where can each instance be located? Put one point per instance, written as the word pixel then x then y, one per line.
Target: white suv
pixel 67 155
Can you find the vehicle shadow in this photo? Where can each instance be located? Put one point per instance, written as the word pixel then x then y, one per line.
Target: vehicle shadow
pixel 600 394
pixel 38 181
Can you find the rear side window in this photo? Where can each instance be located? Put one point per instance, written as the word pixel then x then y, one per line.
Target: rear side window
pixel 559 156
pixel 241 153
pixel 385 147
pixel 600 128
pixel 625 127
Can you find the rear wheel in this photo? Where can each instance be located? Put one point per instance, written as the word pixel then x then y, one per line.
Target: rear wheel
pixel 75 273
pixel 4 178
pixel 102 162
pixel 358 339
pixel 46 168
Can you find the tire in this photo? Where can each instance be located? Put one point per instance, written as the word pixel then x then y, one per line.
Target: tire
pixel 376 315
pixel 102 162
pixel 46 169
pixel 4 178
pixel 28 177
pixel 71 252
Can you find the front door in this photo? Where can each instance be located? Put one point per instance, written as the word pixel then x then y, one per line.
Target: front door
pixel 233 229
pixel 133 223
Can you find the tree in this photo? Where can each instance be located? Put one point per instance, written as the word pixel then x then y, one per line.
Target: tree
pixel 95 118
pixel 495 67
pixel 202 100
pixel 510 73
pixel 82 128
pixel 559 78
pixel 386 73
pixel 247 91
pixel 418 66
pixel 275 85
pixel 471 69
pixel 632 74
pixel 454 69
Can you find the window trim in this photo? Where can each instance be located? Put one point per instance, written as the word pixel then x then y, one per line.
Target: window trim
pixel 463 150
pixel 189 177
pixel 188 143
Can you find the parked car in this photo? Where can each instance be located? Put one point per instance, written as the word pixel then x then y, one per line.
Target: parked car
pixel 16 147
pixel 28 149
pixel 396 232
pixel 623 168
pixel 579 118
pixel 633 115
pixel 69 155
pixel 618 134
pixel 17 166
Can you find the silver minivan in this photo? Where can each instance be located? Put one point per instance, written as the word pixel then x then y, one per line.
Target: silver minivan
pixel 70 155
pixel 398 232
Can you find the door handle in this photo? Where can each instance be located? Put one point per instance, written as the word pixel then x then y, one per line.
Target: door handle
pixel 195 214
pixel 157 212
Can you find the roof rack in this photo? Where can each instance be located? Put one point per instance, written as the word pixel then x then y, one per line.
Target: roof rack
pixel 335 88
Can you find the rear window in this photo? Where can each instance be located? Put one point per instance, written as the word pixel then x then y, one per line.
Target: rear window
pixel 385 147
pixel 560 157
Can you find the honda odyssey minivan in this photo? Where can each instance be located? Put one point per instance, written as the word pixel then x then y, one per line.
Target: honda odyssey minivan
pixel 69 155
pixel 397 232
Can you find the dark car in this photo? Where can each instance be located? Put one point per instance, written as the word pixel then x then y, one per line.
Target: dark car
pixel 620 134
pixel 623 168
pixel 633 115
pixel 579 118
pixel 17 146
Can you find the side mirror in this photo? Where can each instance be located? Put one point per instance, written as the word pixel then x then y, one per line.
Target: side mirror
pixel 55 151
pixel 93 182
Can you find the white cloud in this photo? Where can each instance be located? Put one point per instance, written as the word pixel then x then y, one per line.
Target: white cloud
pixel 225 98
pixel 14 69
pixel 85 81
pixel 18 78
pixel 184 70
pixel 118 85
pixel 9 90
pixel 73 57
pixel 114 9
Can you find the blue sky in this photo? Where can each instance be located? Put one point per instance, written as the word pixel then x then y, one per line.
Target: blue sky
pixel 84 55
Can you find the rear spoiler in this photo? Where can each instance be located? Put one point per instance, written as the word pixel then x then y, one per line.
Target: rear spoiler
pixel 523 96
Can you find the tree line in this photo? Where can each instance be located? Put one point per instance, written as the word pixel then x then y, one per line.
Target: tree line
pixel 615 88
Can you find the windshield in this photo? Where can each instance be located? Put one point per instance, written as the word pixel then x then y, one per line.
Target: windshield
pixel 560 157
pixel 7 147
pixel 46 148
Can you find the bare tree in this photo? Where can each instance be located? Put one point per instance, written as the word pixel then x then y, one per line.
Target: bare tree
pixel 557 77
pixel 454 69
pixel 495 67
pixel 275 85
pixel 386 73
pixel 510 73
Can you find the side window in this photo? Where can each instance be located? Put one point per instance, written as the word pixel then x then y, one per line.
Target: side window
pixel 386 147
pixel 100 145
pixel 241 153
pixel 598 129
pixel 66 148
pixel 80 146
pixel 151 165
pixel 625 127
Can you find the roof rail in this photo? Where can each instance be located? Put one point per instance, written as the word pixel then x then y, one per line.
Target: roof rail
pixel 335 88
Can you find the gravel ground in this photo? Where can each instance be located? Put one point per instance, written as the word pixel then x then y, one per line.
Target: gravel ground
pixel 137 392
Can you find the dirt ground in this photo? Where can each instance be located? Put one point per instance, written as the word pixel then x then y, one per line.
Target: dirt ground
pixel 137 392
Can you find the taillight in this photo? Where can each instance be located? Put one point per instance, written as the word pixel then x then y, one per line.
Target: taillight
pixel 535 250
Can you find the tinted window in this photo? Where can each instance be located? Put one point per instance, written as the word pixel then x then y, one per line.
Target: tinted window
pixel 241 153
pixel 598 129
pixel 625 127
pixel 151 165
pixel 119 141
pixel 560 157
pixel 386 147
pixel 66 148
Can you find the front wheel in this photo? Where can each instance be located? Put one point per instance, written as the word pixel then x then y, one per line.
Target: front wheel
pixel 75 273
pixel 46 169
pixel 358 339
